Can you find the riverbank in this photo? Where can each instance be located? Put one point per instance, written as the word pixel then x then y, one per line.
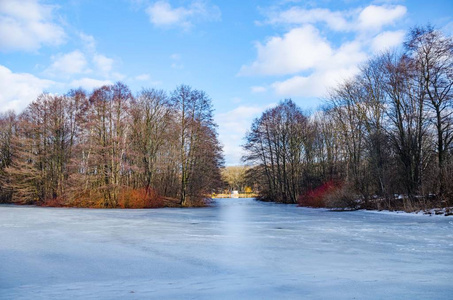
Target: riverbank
pixel 448 211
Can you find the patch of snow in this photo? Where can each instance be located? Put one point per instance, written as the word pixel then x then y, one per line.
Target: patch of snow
pixel 435 212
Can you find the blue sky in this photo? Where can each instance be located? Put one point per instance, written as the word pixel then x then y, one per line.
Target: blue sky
pixel 247 55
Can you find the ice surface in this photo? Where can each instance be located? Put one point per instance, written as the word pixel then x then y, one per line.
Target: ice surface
pixel 236 249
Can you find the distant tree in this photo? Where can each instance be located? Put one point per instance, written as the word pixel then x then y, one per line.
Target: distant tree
pixel 235 177
pixel 277 142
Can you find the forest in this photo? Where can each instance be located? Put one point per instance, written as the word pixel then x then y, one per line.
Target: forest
pixel 110 149
pixel 383 139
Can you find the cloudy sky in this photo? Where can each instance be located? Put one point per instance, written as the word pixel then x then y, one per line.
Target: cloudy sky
pixel 246 54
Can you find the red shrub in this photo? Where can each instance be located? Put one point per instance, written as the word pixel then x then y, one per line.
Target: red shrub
pixel 317 196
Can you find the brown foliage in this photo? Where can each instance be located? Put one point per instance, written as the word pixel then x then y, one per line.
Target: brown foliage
pixel 53 202
pixel 140 198
pixel 197 202
pixel 108 149
pixel 88 200
pixel 341 197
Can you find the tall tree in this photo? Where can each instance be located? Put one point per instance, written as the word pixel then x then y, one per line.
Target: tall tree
pixel 151 117
pixel 349 112
pixel 193 111
pixel 109 138
pixel 431 53
pixel 408 130
pixel 7 132
pixel 277 143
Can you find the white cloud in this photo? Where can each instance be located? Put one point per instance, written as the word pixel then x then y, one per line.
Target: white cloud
pixel 89 43
pixel 342 64
pixel 71 63
pixel 19 89
pixel 374 17
pixel 303 50
pixel 316 84
pixel 387 40
pixel 328 72
pixel 233 126
pixel 314 63
pixel 347 55
pixel 27 25
pixel 89 83
pixel 103 63
pixel 299 16
pixel 298 50
pixel 85 61
pixel 258 89
pixel 161 13
pixel 142 77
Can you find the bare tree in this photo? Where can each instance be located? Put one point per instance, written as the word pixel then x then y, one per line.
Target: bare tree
pixel 431 53
pixel 193 112
pixel 235 177
pixel 277 143
pixel 7 132
pixel 349 112
pixel 151 116
pixel 408 130
pixel 100 148
pixel 109 122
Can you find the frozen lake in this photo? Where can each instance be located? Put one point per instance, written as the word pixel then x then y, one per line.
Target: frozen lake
pixel 236 249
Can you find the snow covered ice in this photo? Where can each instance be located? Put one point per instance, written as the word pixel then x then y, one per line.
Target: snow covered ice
pixel 235 249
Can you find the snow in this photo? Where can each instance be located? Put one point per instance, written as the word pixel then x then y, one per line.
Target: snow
pixel 435 212
pixel 238 248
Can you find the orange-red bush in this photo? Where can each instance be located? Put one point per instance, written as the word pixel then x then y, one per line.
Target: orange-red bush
pixel 140 198
pixel 127 198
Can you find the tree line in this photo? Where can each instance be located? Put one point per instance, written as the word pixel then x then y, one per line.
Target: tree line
pixel 109 148
pixel 383 139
